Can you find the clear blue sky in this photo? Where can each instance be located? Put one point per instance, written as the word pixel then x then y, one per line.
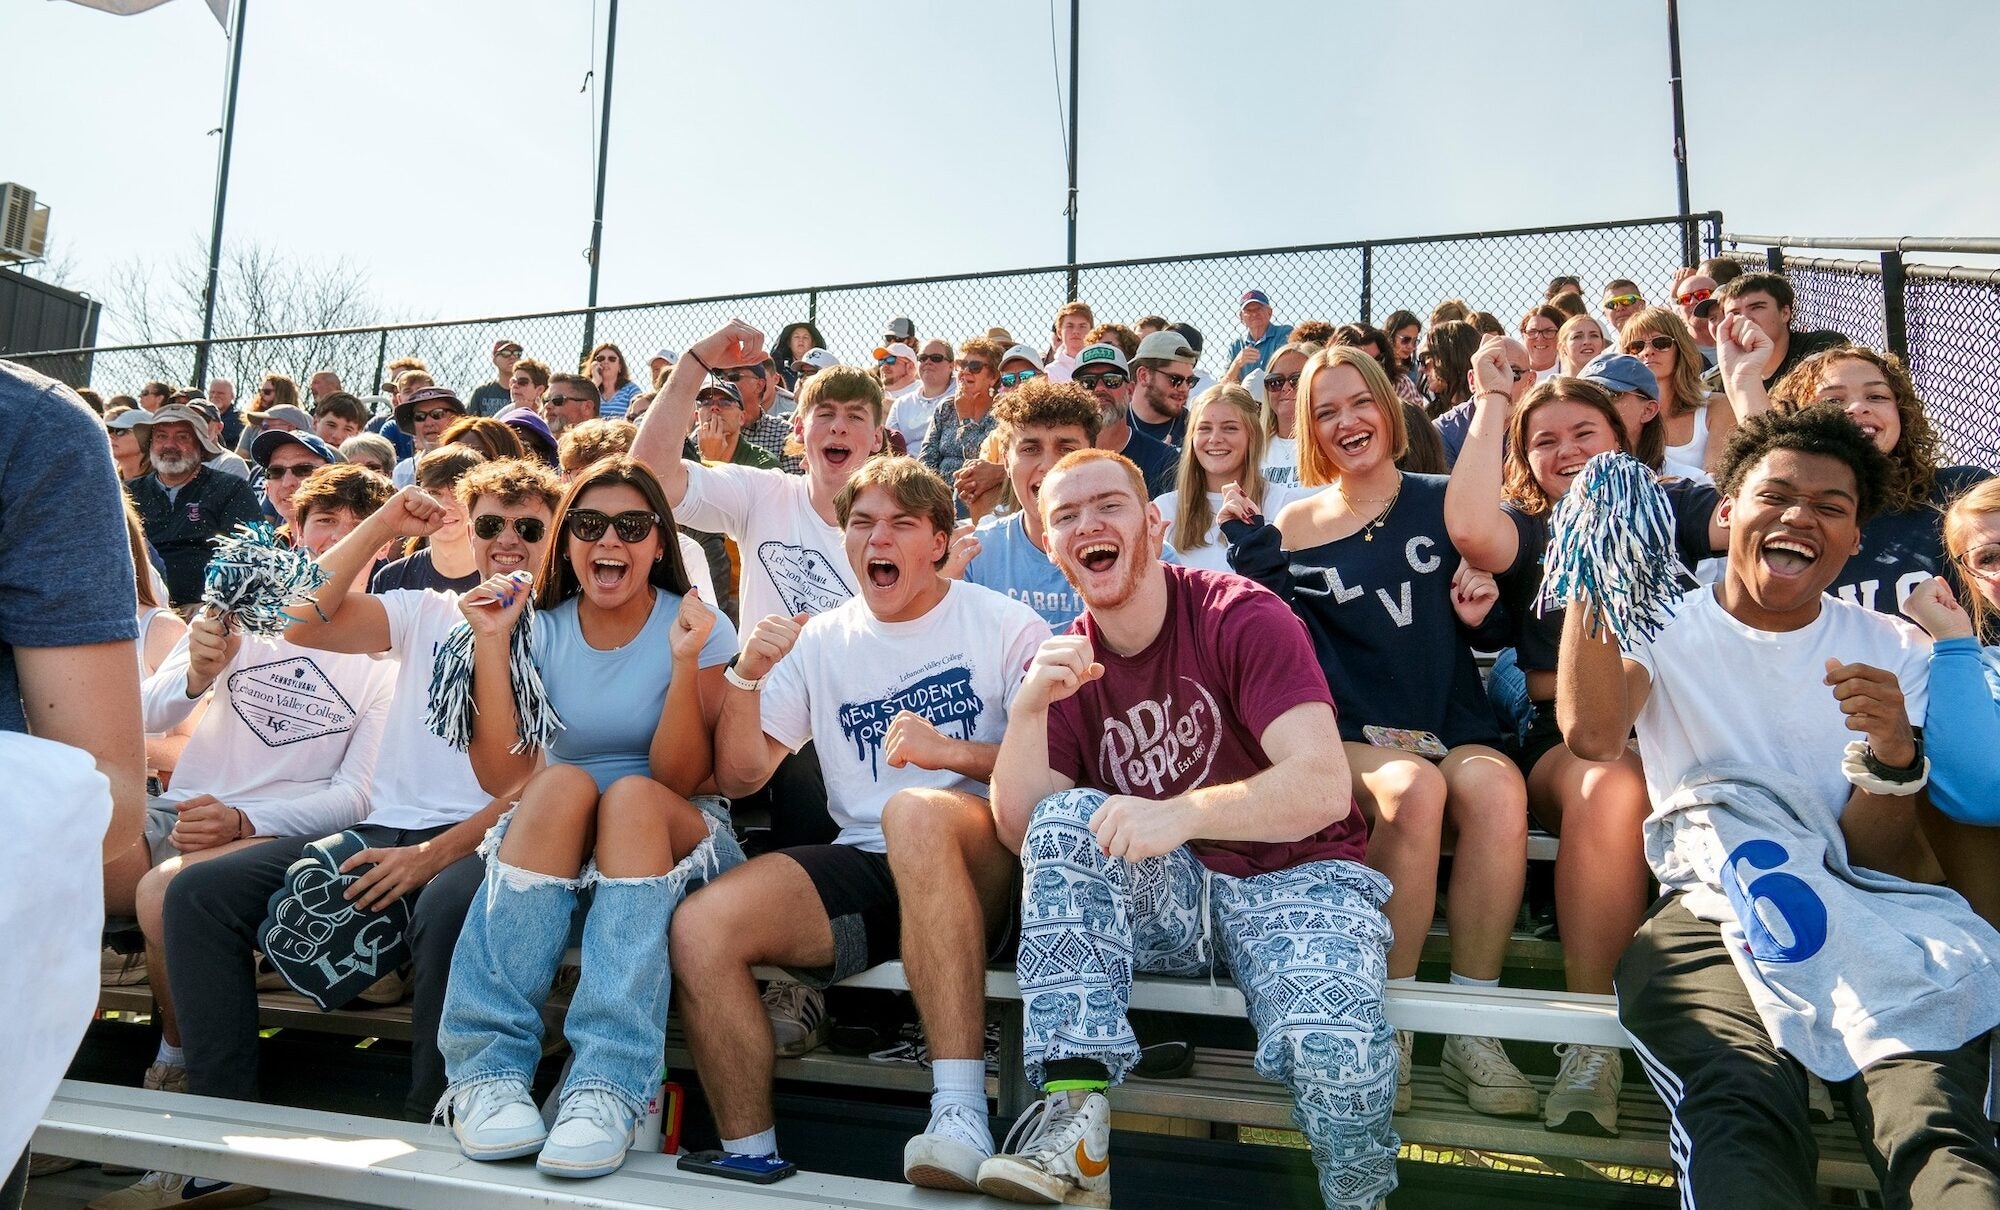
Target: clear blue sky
pixel 443 145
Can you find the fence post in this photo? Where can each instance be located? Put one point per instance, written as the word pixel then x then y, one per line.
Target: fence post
pixel 812 307
pixel 1774 259
pixel 1895 318
pixel 381 362
pixel 1367 283
pixel 1715 233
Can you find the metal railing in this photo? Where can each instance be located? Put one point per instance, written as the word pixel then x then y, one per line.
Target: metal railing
pixel 1502 271
pixel 1944 322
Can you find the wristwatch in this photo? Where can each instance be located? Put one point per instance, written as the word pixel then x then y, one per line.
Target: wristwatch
pixel 1908 773
pixel 741 682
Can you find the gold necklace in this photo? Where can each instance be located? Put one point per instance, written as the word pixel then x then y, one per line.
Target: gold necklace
pixel 1379 519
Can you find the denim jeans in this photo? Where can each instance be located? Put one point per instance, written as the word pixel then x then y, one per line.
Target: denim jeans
pixel 513 940
pixel 1308 947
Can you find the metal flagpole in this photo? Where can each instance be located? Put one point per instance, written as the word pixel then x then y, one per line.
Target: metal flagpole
pixel 603 164
pixel 221 197
pixel 1690 245
pixel 1075 24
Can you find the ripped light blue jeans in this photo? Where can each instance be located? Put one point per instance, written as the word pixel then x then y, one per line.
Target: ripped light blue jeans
pixel 515 934
pixel 1308 947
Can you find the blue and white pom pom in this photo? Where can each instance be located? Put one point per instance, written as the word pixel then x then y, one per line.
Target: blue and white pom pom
pixel 451 707
pixel 1611 543
pixel 253 579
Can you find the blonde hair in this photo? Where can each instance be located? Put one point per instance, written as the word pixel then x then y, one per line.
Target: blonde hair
pixel 1982 499
pixel 1684 394
pixel 1316 469
pixel 591 440
pixel 1193 517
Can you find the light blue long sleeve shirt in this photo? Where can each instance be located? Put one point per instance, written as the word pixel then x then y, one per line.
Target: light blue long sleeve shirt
pixel 1962 730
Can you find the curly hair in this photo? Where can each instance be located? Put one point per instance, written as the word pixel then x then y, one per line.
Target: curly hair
pixel 585 443
pixel 1914 460
pixel 1819 431
pixel 1047 403
pixel 1313 331
pixel 510 481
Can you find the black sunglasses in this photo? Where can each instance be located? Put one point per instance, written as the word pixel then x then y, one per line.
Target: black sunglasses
pixel 588 525
pixel 1279 382
pixel 972 365
pixel 434 414
pixel 1176 381
pixel 1661 343
pixel 933 359
pixel 550 401
pixel 732 377
pixel 1112 379
pixel 292 470
pixel 487 526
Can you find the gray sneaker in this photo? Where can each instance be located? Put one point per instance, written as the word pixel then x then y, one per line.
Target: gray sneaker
pixel 1479 1070
pixel 799 1024
pixel 1584 1099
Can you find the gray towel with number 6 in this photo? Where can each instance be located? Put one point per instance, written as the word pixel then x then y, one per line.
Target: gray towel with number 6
pixel 1846 966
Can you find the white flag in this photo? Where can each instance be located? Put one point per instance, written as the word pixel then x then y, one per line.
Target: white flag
pixel 125 8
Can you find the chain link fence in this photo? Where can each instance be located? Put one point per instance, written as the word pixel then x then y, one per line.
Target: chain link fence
pixel 1502 272
pixel 1944 322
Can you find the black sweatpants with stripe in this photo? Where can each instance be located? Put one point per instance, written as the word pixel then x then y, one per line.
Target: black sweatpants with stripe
pixel 1741 1136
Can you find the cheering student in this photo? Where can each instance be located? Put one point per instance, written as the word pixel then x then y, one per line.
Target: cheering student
pixel 1369 566
pixel 632 664
pixel 1225 445
pixel 1497 509
pixel 1962 729
pixel 1770 677
pixel 1903 545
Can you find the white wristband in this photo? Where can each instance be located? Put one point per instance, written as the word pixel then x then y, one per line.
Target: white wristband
pixel 744 683
pixel 1854 767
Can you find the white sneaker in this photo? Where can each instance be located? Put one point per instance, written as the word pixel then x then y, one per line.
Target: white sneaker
pixel 799 1024
pixel 165 1077
pixel 947 1155
pixel 496 1121
pixel 1819 1101
pixel 1405 1042
pixel 591 1135
pixel 1479 1070
pixel 1059 1153
pixel 160 1190
pixel 1584 1099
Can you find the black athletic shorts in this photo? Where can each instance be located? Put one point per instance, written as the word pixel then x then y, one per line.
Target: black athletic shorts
pixel 1543 736
pixel 859 895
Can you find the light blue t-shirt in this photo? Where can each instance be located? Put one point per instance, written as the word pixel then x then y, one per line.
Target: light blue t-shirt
pixel 1010 562
pixel 610 701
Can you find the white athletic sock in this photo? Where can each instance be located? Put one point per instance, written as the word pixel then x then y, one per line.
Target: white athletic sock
pixel 958 1082
pixel 1469 981
pixel 172 1056
pixel 764 1142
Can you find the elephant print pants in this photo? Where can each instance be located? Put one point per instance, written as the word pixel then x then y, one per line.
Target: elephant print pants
pixel 1307 946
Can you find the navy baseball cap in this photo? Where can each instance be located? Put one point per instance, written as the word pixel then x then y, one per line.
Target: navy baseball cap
pixel 1254 296
pixel 266 446
pixel 1619 373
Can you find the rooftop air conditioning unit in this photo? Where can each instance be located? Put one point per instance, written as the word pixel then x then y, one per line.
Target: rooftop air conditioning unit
pixel 24 224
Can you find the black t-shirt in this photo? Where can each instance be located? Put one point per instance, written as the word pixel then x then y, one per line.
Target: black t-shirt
pixel 1802 346
pixel 1536 638
pixel 1903 549
pixel 1377 604
pixel 489 399
pixel 1156 460
pixel 1173 433
pixel 416 572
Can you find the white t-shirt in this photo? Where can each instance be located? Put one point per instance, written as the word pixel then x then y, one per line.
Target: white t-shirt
pixel 850 674
pixel 1725 691
pixel 1214 554
pixel 910 412
pixel 420 781
pixel 291 736
pixel 1061 367
pixel 695 559
pixel 793 562
pixel 1281 461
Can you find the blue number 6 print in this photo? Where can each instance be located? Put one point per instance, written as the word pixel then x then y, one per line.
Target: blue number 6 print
pixel 1794 902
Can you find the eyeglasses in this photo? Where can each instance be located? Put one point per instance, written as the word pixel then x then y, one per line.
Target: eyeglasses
pixel 1281 382
pixel 884 357
pixel 1623 300
pixel 1659 343
pixel 260 391
pixel 1983 562
pixel 933 359
pixel 521 382
pixel 732 377
pixel 1019 376
pixel 157 394
pixel 1540 333
pixel 1694 296
pixel 605 357
pixel 508 353
pixel 972 365
pixel 588 525
pixel 716 400
pixel 433 414
pixel 487 526
pixel 1112 379
pixel 291 470
pixel 1176 381
pixel 551 401
pixel 1519 372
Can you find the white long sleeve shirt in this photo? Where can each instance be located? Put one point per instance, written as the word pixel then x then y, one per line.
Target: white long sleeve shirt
pixel 290 737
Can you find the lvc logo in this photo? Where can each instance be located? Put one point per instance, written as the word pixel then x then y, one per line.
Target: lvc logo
pixel 1157 750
